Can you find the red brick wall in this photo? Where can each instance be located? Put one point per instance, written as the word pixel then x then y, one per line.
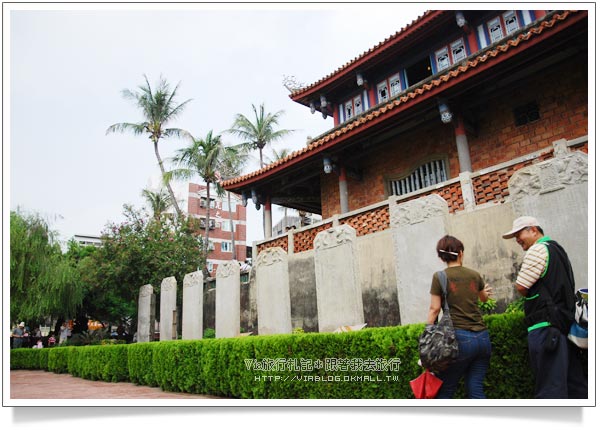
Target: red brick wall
pixel 563 115
pixel 563 111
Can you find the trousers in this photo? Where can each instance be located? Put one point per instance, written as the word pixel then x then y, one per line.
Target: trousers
pixel 474 352
pixel 558 371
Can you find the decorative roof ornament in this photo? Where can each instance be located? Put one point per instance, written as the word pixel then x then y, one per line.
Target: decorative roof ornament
pixel 292 84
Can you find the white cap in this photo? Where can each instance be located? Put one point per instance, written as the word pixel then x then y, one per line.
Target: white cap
pixel 22 324
pixel 521 223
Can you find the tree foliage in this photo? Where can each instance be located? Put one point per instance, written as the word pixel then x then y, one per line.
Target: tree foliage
pixel 141 250
pixel 158 108
pixel 203 158
pixel 43 284
pixel 260 131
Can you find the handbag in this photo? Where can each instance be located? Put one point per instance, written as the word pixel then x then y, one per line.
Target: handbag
pixel 438 346
pixel 426 385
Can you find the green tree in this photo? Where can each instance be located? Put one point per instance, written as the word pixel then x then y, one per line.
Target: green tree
pixel 159 202
pixel 260 131
pixel 159 108
pixel 203 158
pixel 137 252
pixel 43 284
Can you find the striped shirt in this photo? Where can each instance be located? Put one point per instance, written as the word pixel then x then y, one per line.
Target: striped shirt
pixel 534 264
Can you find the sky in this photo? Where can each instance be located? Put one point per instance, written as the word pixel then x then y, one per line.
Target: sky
pixel 67 65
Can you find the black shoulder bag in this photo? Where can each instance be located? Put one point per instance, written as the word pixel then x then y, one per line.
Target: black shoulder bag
pixel 438 346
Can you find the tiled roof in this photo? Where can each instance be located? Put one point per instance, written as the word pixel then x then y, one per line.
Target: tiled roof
pixel 379 48
pixel 402 100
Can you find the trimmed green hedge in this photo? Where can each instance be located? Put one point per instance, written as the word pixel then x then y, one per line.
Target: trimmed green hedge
pixel 375 363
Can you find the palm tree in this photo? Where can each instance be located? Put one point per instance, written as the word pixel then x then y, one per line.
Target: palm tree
pixel 159 201
pixel 231 166
pixel 258 133
pixel 201 158
pixel 158 108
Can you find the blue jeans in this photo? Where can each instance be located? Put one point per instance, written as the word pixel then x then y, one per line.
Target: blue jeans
pixel 474 351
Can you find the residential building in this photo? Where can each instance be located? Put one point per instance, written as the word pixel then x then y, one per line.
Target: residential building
pixel 87 240
pixel 227 224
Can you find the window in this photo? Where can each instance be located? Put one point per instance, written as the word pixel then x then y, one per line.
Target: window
pixel 358 105
pixel 348 109
pixel 210 266
pixel 203 202
pixel 395 86
pixel 458 50
pixel 226 247
pixel 428 174
pixel 511 23
pixel 211 223
pixel 225 205
pixel 211 245
pixel 526 113
pixel 495 29
pixel 442 59
pixel 226 225
pixel 419 71
pixel 382 92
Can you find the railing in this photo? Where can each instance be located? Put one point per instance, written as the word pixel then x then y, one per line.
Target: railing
pixel 489 185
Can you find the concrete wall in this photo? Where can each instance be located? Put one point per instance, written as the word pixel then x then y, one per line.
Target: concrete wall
pixel 496 259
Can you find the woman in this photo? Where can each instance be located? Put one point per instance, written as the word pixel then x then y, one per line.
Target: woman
pixel 464 288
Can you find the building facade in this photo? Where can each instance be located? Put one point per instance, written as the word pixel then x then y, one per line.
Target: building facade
pixel 227 224
pixel 456 124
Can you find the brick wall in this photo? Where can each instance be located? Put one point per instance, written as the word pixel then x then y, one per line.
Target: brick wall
pixel 563 115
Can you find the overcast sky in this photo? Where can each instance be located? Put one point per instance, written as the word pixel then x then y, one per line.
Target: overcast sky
pixel 67 68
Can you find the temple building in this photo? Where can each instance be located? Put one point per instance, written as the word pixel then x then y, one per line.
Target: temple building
pixel 451 106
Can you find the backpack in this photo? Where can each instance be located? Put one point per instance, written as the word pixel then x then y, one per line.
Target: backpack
pixel 438 346
pixel 578 333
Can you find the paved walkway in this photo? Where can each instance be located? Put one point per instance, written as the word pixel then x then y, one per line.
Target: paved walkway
pixel 39 384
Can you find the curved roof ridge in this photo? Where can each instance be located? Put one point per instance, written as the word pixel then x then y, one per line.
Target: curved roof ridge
pixel 462 68
pixel 388 40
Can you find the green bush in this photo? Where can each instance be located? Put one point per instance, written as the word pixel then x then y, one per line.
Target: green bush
pixel 374 363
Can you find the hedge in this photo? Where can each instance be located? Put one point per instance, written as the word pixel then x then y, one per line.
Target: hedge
pixel 374 363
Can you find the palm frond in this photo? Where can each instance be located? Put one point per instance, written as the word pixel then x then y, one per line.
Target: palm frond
pixel 126 126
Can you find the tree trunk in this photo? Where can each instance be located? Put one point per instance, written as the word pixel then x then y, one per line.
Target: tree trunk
pixel 233 255
pixel 207 219
pixel 168 184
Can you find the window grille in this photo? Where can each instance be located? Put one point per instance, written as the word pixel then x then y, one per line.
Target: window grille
pixel 428 174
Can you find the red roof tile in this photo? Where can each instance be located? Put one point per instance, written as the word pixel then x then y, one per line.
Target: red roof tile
pixel 416 93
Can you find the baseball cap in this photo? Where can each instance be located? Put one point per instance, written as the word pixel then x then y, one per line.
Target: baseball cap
pixel 519 224
pixel 22 324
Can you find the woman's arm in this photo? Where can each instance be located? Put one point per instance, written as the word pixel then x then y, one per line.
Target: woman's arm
pixel 434 308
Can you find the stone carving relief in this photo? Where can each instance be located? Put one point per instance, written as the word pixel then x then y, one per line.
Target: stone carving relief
pixel 146 290
pixel 192 279
pixel 334 236
pixel 418 210
pixel 168 284
pixel 271 256
pixel 227 269
pixel 548 176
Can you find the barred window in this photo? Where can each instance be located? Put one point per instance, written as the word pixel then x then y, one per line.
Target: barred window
pixel 426 175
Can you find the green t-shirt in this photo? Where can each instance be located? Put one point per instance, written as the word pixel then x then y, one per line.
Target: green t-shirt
pixel 464 286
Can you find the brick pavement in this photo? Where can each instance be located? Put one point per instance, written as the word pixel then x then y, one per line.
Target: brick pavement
pixel 39 384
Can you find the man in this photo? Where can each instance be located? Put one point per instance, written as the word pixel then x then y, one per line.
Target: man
pixel 546 280
pixel 17 334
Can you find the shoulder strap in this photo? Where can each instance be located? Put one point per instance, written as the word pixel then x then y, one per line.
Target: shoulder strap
pixel 444 283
